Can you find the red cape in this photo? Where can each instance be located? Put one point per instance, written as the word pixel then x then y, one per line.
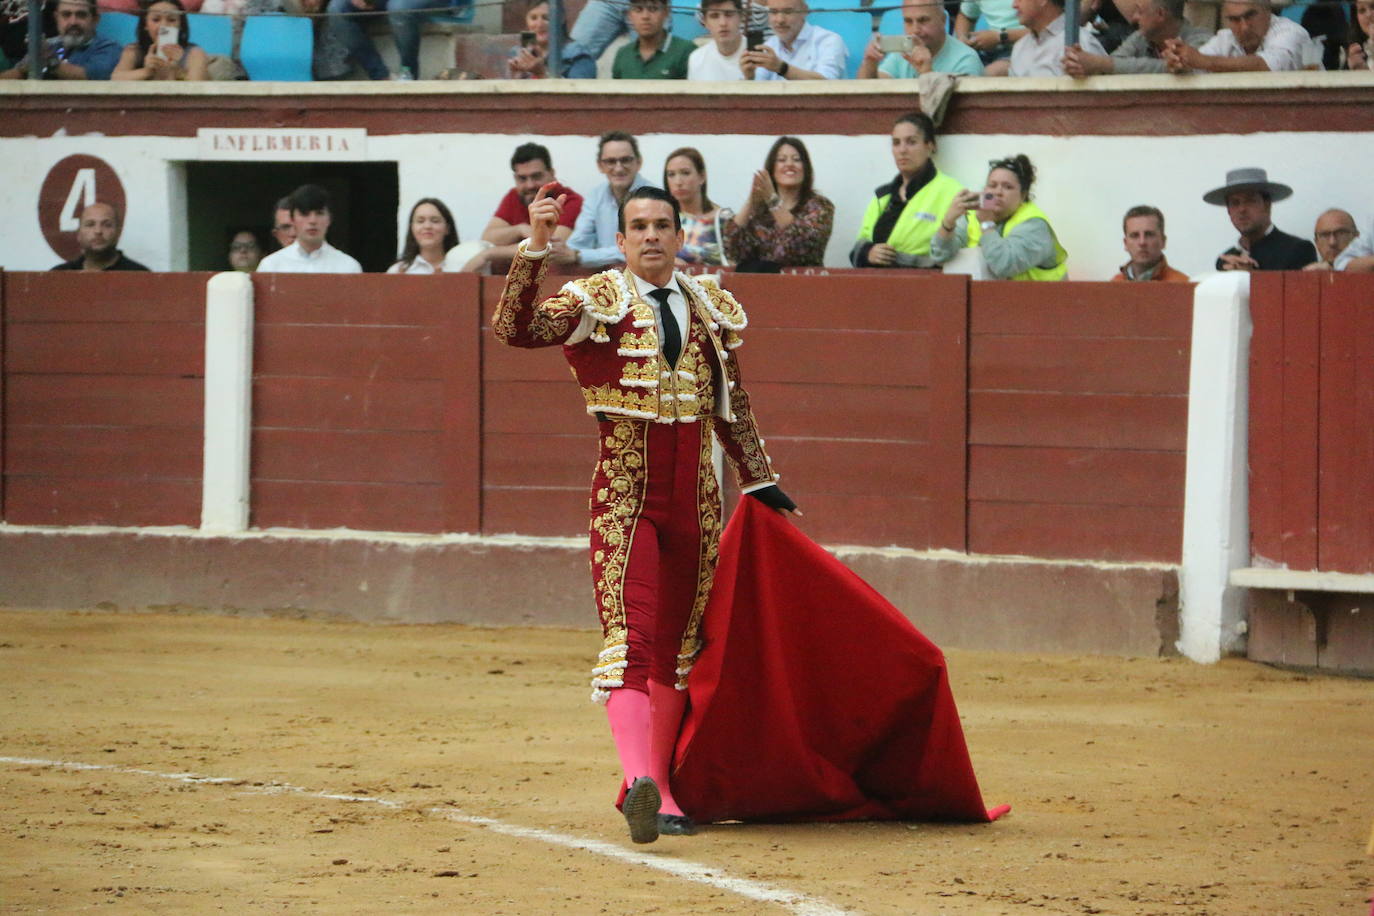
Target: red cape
pixel 814 698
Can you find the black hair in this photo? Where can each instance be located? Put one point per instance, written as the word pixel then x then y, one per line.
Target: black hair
pixel 145 41
pixel 693 155
pixel 649 192
pixel 528 152
pixel 309 198
pixel 808 175
pixel 1020 166
pixel 411 249
pixel 921 121
pixel 737 4
pixel 617 136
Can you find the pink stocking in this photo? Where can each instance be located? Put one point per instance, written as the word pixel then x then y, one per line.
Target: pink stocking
pixel 628 711
pixel 667 705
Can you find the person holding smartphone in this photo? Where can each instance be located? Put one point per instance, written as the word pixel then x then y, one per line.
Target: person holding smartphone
pixel 1013 234
pixel 924 48
pixel 163 50
pixel 529 59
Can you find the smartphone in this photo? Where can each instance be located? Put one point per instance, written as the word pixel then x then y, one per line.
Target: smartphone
pixel 526 39
pixel 988 200
pixel 166 35
pixel 753 39
pixel 894 44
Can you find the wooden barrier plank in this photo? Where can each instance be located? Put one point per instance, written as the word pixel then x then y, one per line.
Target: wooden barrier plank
pixel 364 456
pixel 1345 427
pixel 1112 477
pixel 556 408
pixel 533 459
pixel 1138 310
pixel 832 466
pixel 460 440
pixel 95 348
pixel 536 511
pixel 841 411
pixel 5 279
pixel 101 501
pixel 1079 532
pixel 104 451
pixel 887 520
pixel 502 363
pixel 339 504
pixel 364 299
pixel 112 400
pixel 1299 442
pixel 347 403
pixel 340 351
pixel 842 357
pixel 948 433
pixel 89 297
pixel 1266 417
pixel 882 303
pixel 1078 420
pixel 1110 365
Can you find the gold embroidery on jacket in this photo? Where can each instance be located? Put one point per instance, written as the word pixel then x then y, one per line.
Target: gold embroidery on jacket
pixel 618 499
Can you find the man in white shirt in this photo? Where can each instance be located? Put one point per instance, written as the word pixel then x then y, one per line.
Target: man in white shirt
pixel 797 50
pixel 310 253
pixel 719 59
pixel 1254 39
pixel 1040 52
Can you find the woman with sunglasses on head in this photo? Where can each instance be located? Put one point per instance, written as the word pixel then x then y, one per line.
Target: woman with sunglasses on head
pixel 159 56
pixel 1013 234
pixel 784 223
pixel 905 213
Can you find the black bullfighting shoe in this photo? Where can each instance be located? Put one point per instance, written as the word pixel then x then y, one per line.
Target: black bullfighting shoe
pixel 676 825
pixel 640 808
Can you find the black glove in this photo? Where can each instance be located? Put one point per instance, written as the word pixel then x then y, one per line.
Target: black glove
pixel 773 497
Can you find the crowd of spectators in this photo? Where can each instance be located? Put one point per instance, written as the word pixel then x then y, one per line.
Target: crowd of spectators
pixel 920 218
pixel 1021 38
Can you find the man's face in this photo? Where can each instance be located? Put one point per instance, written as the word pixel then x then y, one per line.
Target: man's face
pixel 649 242
pixel 1249 211
pixel 530 177
pixel 1029 12
pixel 244 252
pixel 723 23
pixel 283 229
pixel 75 21
pixel 787 18
pixel 925 23
pixel 311 226
pixel 1249 22
pixel 98 234
pixel 1335 229
pixel 619 164
pixel 1144 241
pixel 647 18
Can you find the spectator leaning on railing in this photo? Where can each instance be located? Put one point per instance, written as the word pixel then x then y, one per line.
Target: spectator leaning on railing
pixel 784 223
pixel 1041 51
pixel 797 50
pixel 1157 22
pixel 931 49
pixel 994 43
pixel 655 53
pixel 1358 256
pixel 76 53
pixel 531 168
pixel 1248 197
pixel 1334 232
pixel 1013 234
pixel 905 213
pixel 1254 39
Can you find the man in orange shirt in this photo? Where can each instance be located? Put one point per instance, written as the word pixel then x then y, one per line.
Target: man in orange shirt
pixel 1144 241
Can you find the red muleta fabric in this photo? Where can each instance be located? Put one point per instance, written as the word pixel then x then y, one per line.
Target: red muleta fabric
pixel 815 699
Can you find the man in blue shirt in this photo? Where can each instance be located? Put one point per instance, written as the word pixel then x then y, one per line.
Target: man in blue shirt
pixel 592 242
pixel 77 53
pixel 797 50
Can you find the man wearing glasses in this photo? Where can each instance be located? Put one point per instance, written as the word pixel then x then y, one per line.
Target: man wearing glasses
pixel 797 50
pixel 283 230
pixel 1334 232
pixel 592 242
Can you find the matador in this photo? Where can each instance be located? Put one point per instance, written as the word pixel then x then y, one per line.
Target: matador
pixel 652 350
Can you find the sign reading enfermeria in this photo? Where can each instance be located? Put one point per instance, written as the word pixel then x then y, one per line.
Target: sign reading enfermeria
pixel 278 144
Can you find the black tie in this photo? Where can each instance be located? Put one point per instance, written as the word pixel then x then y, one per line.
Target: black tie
pixel 672 335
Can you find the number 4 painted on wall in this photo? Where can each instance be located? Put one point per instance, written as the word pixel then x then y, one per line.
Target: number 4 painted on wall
pixel 79 198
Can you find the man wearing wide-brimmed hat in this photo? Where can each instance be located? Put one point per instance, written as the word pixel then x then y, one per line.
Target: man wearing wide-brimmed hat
pixel 1248 196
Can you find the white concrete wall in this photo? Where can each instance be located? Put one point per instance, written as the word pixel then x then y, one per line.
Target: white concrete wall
pixel 1085 184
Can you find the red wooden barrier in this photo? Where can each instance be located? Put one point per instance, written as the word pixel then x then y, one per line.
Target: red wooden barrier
pixel 1078 419
pixel 1311 436
pixel 103 398
pixel 365 403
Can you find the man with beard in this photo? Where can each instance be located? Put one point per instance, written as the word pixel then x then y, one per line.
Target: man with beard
pixel 1248 197
pixel 77 53
pixel 98 236
pixel 509 226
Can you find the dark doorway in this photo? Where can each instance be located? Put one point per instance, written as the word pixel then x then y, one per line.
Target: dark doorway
pixel 223 197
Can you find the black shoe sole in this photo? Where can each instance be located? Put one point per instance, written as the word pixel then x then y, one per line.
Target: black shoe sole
pixel 641 810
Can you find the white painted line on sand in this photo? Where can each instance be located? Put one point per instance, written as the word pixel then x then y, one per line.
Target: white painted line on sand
pixel 709 875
